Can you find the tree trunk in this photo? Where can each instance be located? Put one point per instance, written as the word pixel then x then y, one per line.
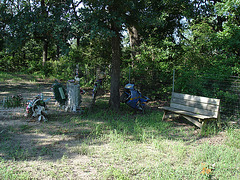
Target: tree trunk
pixel 58 52
pixel 78 41
pixel 134 41
pixel 45 52
pixel 115 72
pixel 45 42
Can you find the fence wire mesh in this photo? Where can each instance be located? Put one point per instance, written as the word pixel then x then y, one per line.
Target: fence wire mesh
pixel 158 86
pixel 225 88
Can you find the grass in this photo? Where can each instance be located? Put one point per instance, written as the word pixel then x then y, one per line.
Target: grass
pixel 103 144
pixel 15 77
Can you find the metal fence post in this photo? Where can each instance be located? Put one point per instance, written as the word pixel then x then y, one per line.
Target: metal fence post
pixel 173 80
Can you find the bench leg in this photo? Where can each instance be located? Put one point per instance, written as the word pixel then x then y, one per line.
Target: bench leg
pixel 194 121
pixel 169 115
pixel 164 114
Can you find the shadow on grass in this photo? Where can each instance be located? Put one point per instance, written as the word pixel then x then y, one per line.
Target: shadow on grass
pixel 72 134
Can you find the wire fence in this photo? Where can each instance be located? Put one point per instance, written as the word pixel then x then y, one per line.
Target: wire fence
pixel 159 86
pixel 225 88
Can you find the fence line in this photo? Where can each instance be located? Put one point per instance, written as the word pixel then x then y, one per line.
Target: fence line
pixel 227 89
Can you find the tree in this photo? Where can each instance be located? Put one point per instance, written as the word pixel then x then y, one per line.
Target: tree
pixel 106 18
pixel 109 18
pixel 45 21
pixel 230 34
pixel 116 59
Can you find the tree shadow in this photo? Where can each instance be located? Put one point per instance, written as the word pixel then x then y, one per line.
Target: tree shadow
pixel 73 134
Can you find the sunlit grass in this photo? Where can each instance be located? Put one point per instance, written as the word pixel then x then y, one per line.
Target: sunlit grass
pixel 6 76
pixel 233 139
pixel 11 172
pixel 16 78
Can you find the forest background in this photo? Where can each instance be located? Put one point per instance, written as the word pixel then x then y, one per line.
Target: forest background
pixel 150 37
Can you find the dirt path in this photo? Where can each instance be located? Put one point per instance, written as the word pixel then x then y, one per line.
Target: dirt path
pixel 56 143
pixel 28 88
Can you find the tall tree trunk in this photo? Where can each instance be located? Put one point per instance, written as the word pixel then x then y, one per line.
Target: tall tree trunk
pixel 45 41
pixel 78 41
pixel 58 52
pixel 45 52
pixel 220 19
pixel 115 72
pixel 134 41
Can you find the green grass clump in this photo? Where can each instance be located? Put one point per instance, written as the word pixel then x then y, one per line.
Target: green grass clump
pixel 210 128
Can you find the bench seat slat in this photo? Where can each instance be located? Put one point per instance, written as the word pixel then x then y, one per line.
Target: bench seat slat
pixel 178 111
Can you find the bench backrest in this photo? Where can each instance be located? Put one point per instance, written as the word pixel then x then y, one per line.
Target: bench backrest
pixel 196 104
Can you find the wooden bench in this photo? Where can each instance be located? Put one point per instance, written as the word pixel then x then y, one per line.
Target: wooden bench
pixel 195 109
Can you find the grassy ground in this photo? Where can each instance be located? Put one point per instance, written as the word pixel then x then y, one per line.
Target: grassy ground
pixel 102 144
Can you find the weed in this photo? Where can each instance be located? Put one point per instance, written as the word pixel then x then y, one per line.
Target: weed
pixel 64 158
pixel 83 149
pixel 209 128
pixel 25 127
pixel 97 130
pixel 4 76
pixel 45 151
pixel 13 101
pixel 12 129
pixel 114 173
pixel 18 153
pixel 4 136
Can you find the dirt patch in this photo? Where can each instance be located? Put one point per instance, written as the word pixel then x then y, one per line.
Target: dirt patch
pixel 218 139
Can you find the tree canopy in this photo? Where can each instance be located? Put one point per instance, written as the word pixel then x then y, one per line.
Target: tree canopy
pixel 152 36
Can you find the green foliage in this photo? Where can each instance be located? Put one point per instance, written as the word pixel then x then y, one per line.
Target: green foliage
pixel 230 39
pixel 229 8
pixel 152 69
pixel 12 63
pixel 209 60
